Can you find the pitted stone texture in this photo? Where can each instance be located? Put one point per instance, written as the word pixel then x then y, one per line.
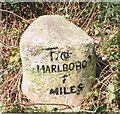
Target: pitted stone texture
pixel 58 61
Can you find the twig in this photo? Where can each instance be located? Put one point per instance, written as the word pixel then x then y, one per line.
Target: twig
pixel 101 62
pixel 2 10
pixel 79 14
pixel 102 81
pixel 9 47
pixel 88 15
pixel 104 70
pixel 89 21
pixel 31 104
pixel 16 76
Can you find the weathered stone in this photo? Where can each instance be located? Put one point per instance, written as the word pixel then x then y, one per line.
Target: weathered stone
pixel 58 61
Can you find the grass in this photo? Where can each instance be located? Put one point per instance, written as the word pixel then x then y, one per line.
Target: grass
pixel 99 20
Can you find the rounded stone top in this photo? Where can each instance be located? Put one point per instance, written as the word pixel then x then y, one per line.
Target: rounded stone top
pixel 58 61
pixel 50 30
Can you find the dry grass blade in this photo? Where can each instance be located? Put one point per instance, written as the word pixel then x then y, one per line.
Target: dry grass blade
pixel 15 15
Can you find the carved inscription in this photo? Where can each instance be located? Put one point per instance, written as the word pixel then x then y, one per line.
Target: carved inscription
pixel 67 90
pixel 56 68
pixel 56 55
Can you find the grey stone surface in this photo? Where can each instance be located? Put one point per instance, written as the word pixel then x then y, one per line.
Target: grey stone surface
pixel 58 61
